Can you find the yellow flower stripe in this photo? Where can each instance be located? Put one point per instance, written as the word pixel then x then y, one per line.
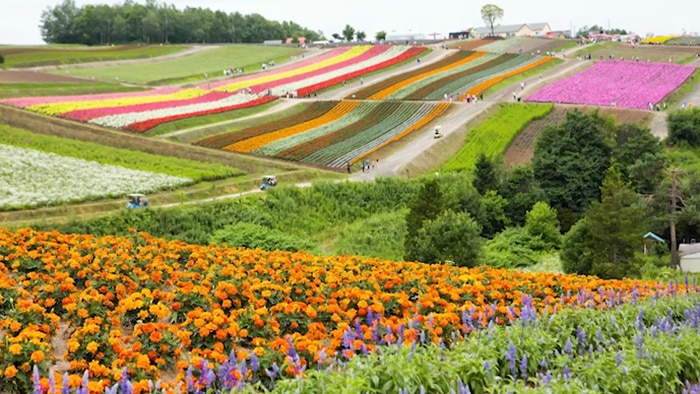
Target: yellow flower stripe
pixel 657 39
pixel 61 108
pixel 382 94
pixel 354 52
pixel 439 109
pixel 483 86
pixel 256 142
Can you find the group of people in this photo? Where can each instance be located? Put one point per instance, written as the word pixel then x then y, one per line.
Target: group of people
pixel 369 165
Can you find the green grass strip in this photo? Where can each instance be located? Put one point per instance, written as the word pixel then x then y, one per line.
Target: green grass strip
pixel 49 56
pixel 8 90
pixel 493 136
pixel 197 171
pixel 523 76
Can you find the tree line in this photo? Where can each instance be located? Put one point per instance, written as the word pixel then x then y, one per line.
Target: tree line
pixel 154 23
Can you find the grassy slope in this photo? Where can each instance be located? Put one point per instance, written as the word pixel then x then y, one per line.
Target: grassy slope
pixel 654 53
pixel 61 89
pixel 523 76
pixel 192 67
pixel 114 156
pixel 52 55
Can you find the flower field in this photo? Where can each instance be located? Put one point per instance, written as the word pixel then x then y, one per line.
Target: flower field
pixel 460 74
pixel 31 178
pixel 139 306
pixel 657 39
pixel 332 133
pixel 493 136
pixel 624 84
pixel 141 111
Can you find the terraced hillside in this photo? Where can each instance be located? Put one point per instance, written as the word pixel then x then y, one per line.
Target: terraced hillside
pixel 330 133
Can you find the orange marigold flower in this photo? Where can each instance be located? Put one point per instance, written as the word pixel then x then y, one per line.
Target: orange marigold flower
pixel 92 347
pixel 15 349
pixel 11 372
pixel 155 337
pixel 37 356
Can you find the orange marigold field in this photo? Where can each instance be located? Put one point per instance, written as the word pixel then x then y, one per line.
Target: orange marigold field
pixel 154 305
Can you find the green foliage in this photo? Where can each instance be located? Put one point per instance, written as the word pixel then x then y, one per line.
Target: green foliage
pixel 425 206
pixel 570 161
pixel 684 126
pixel 198 171
pixel 616 228
pixel 492 213
pixel 2 58
pixel 639 156
pixel 575 257
pixel 381 235
pixel 490 13
pixel 254 236
pixel 381 35
pixel 348 33
pixel 521 190
pixel 493 136
pixel 542 222
pixel 155 22
pixel 513 247
pixel 450 237
pixel 46 56
pixel 485 177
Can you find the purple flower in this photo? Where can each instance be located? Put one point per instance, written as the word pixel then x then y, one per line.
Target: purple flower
pixel 65 389
pixel 567 346
pixel 523 366
pixel 547 378
pixel 255 364
pixel 272 373
pixel 36 380
pixel 512 356
pixel 566 372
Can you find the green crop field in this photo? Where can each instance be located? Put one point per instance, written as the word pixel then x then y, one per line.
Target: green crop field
pixel 493 136
pixel 33 56
pixel 654 53
pixel 62 89
pixel 191 67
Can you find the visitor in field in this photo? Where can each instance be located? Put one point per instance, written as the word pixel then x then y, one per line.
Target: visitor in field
pixel 522 85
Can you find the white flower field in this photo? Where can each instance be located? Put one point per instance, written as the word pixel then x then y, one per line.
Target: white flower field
pixel 30 178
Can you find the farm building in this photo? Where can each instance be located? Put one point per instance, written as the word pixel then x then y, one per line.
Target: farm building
pixel 524 30
pixel 407 36
pixel 459 35
pixel 690 257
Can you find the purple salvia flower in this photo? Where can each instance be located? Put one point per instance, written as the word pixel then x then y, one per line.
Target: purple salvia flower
pixel 112 390
pixel 511 356
pixel 548 378
pixel 292 352
pixel 618 358
pixel 125 386
pixel 65 389
pixel 599 335
pixel 422 389
pixel 581 336
pixel 36 380
pixel 523 366
pixel 568 346
pixel 52 382
pixel 543 364
pixel 255 363
pixel 422 337
pixel 566 372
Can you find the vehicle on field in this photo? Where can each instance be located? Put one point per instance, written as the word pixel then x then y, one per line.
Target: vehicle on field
pixel 437 134
pixel 137 200
pixel 268 181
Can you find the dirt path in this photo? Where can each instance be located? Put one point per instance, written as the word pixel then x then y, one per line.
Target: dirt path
pixel 186 52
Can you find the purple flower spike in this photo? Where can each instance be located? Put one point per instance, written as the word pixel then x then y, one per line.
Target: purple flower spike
pixel 65 388
pixel 523 367
pixel 566 372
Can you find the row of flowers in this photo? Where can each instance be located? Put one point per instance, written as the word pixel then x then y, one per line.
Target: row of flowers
pixel 33 179
pixel 618 83
pixel 657 39
pixel 343 108
pixel 144 110
pixel 150 305
pixel 391 89
pixel 435 88
pixel 370 90
pixel 485 85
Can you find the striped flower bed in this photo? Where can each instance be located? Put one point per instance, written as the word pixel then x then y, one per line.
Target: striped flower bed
pixel 345 132
pixel 141 111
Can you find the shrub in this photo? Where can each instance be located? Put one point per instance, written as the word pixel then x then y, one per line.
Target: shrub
pixel 254 236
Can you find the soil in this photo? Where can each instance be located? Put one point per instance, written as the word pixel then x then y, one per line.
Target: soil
pixel 58 348
pixel 36 77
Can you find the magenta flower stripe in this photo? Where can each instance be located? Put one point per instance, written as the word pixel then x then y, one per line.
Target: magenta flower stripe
pixel 626 84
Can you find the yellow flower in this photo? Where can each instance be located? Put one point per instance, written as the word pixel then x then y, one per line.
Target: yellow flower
pixel 16 349
pixel 92 347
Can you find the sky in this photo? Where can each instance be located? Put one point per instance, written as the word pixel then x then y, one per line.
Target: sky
pixel 19 19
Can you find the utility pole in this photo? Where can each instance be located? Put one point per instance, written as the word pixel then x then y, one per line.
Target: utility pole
pixel 673 208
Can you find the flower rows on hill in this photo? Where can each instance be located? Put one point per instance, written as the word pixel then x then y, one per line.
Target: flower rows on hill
pixel 144 110
pixel 625 84
pixel 331 134
pixel 147 305
pixel 33 179
pixel 657 39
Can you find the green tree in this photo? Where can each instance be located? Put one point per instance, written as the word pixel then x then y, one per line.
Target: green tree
pixel 570 160
pixel 2 58
pixel 576 258
pixel 684 126
pixel 427 205
pixel 485 175
pixel 491 13
pixel 615 227
pixel 380 36
pixel 492 214
pixel 348 33
pixel 337 37
pixel 452 236
pixel 521 191
pixel 542 221
pixel 360 35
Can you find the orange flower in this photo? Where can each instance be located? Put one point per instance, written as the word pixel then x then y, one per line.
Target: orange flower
pixel 155 337
pixel 15 349
pixel 37 356
pixel 10 372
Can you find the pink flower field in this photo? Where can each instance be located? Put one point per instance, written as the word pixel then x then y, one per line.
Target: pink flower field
pixel 626 84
